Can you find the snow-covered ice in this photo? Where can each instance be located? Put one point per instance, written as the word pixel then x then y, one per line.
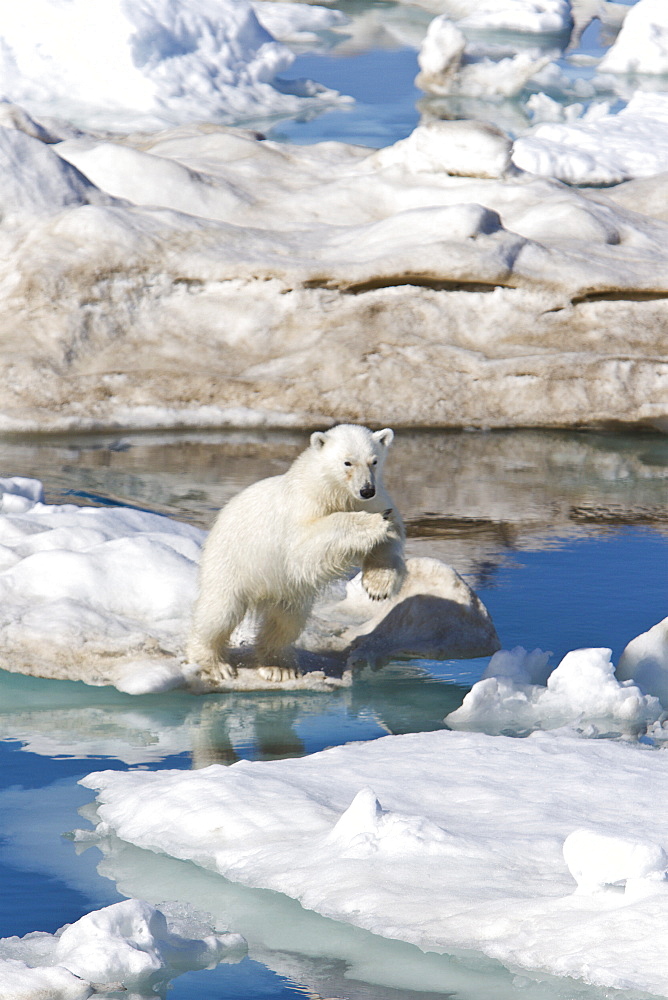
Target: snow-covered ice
pixel 603 149
pixel 104 595
pixel 155 63
pixel 125 946
pixel 418 283
pixel 642 44
pixel 518 693
pixel 451 841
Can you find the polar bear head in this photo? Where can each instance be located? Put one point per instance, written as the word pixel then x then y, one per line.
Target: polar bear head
pixel 352 457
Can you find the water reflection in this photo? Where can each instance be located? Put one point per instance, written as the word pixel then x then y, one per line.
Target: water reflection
pixel 71 719
pixel 469 498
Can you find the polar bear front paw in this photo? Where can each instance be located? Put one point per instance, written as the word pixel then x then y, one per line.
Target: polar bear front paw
pixel 380 583
pixel 279 674
pixel 218 671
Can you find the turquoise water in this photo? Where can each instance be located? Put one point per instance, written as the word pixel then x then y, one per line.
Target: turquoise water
pixel 569 547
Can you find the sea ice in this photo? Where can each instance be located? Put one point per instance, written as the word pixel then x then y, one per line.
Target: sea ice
pixel 524 16
pixel 104 595
pixel 642 44
pixel 519 693
pixel 450 841
pixel 155 63
pixel 603 149
pixel 123 946
pixel 419 281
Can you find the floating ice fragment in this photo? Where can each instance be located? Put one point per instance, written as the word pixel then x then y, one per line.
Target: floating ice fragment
pixel 514 697
pixel 526 16
pixel 123 946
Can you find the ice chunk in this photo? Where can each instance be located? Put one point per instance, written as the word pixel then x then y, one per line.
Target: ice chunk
pixel 642 43
pixel 606 150
pixel 123 946
pixel 645 661
pixel 461 148
pixel 597 861
pixel 514 696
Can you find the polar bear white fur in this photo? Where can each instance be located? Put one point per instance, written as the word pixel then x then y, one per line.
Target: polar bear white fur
pixel 278 542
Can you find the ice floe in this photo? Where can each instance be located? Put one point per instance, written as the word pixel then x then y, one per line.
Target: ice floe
pixel 602 148
pixel 452 841
pixel 419 283
pixel 518 693
pixel 104 595
pixel 155 63
pixel 126 946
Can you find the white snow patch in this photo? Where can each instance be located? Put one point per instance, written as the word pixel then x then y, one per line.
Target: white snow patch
pixel 451 841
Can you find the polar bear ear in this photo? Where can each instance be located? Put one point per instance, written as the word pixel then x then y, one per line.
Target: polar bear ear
pixel 318 439
pixel 384 437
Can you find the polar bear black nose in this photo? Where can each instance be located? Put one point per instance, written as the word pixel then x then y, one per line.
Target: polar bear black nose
pixel 367 492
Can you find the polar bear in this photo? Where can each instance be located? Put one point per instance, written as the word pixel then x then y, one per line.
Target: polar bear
pixel 278 542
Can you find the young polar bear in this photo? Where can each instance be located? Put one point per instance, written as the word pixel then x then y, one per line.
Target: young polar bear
pixel 278 542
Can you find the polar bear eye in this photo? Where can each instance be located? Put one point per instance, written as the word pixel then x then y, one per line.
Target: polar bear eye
pixel 375 461
pixel 348 464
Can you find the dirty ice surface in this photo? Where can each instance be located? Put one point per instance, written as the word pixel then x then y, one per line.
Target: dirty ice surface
pixel 450 278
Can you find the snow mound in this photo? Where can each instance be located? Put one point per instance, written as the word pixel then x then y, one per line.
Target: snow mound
pixel 450 841
pixel 642 44
pixel 158 62
pixel 36 181
pixel 123 946
pixel 518 693
pixel 598 861
pixel 104 595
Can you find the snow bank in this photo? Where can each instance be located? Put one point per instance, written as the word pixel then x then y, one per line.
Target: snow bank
pixel 518 693
pixel 607 149
pixel 123 64
pixel 367 835
pixel 642 44
pixel 124 946
pixel 104 595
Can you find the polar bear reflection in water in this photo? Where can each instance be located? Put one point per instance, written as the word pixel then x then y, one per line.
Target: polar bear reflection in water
pixel 276 544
